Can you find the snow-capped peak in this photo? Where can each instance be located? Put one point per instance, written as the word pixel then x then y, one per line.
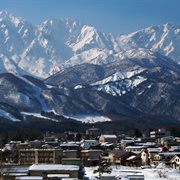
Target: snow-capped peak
pixel 59 43
pixel 5 16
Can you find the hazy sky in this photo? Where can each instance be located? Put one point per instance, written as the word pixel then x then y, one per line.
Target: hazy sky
pixel 110 16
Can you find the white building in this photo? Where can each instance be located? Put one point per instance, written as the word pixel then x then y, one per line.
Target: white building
pixel 88 143
pixel 160 133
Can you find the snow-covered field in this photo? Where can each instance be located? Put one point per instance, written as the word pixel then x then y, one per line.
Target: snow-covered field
pixel 122 172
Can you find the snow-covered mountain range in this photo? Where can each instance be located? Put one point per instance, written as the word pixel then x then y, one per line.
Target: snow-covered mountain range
pixel 42 50
pixel 67 68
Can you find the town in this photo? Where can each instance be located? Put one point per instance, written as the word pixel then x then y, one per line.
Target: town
pixel 67 157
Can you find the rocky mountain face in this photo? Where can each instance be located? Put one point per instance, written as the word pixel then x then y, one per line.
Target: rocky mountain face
pixel 130 88
pixel 43 50
pixel 67 68
pixel 151 88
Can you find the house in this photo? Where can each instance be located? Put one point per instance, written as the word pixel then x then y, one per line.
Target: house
pixel 90 157
pixel 147 155
pixel 164 157
pixel 85 144
pixel 110 138
pixel 93 132
pixel 134 160
pixel 175 162
pixel 45 170
pixel 119 157
pixel 126 142
pixel 106 146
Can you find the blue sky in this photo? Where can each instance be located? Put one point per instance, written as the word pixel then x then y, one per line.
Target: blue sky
pixel 110 16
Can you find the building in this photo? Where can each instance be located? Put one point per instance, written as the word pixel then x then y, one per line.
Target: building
pixel 70 146
pixel 85 144
pixel 90 157
pixel 70 154
pixel 93 132
pixel 48 170
pixel 174 148
pixel 108 138
pixel 119 157
pixel 25 145
pixel 134 160
pixel 36 144
pixel 159 134
pixel 147 155
pixel 175 162
pixel 135 149
pixel 38 156
pixel 10 173
pixel 164 157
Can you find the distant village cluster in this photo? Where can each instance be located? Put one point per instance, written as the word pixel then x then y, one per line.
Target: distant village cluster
pixel 64 158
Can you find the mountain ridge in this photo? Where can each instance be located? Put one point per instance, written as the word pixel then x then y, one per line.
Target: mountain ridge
pixel 56 44
pixel 66 68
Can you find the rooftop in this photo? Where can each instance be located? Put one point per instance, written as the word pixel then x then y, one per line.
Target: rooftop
pixel 52 167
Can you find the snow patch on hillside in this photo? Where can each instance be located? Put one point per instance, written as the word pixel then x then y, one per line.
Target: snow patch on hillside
pixel 7 115
pixel 118 88
pixel 39 116
pixel 89 118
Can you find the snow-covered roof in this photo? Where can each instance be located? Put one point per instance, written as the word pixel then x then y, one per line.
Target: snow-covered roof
pixel 124 178
pixel 175 147
pixel 169 153
pixel 52 167
pixel 69 179
pixel 131 157
pixel 68 144
pixel 149 144
pixel 15 174
pixel 154 150
pixel 66 151
pixel 15 170
pixel 71 159
pixel 29 178
pixel 58 175
pixel 109 136
pixel 107 144
pixel 107 175
pixel 135 147
pixel 91 140
pixel 92 150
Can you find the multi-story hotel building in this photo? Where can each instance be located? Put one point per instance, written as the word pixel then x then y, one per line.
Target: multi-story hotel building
pixel 39 156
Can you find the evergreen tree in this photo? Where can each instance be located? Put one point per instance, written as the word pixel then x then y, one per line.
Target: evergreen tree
pixel 104 167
